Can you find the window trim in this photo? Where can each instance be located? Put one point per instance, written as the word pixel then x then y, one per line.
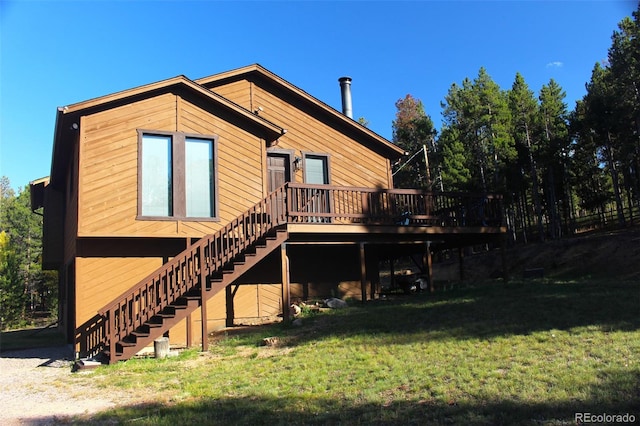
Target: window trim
pixel 178 140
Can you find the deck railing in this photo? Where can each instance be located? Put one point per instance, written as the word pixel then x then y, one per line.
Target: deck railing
pixel 291 203
pixel 333 204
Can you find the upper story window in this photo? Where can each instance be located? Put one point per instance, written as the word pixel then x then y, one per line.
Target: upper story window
pixel 176 176
pixel 316 168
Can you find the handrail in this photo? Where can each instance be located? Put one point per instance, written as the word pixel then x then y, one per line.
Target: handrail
pixel 291 203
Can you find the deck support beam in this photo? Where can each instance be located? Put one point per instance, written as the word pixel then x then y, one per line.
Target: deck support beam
pixel 363 273
pixel 286 299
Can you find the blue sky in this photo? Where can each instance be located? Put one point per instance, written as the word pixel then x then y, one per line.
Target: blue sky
pixel 55 53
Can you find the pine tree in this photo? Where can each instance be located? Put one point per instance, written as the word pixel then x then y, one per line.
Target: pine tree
pixel 478 111
pixel 554 151
pixel 413 131
pixel 13 298
pixel 524 110
pixel 454 174
pixel 23 253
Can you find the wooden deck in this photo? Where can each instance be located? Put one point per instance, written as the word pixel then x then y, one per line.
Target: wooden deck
pixel 294 214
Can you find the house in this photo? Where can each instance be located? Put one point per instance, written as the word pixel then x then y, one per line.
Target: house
pixel 184 205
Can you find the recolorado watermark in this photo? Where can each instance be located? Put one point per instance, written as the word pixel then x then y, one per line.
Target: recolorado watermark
pixel 582 418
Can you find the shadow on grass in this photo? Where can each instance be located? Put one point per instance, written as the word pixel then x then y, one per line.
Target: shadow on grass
pixel 610 396
pixel 488 311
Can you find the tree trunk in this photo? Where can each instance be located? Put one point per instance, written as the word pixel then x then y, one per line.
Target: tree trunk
pixel 535 189
pixel 615 180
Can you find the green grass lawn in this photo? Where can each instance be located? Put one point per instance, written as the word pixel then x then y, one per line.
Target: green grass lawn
pixel 523 353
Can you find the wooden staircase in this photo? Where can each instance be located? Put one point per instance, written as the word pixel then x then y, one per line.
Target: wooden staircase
pixel 168 295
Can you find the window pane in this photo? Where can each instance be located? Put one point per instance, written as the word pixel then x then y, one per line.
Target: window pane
pixel 157 179
pixel 315 170
pixel 199 177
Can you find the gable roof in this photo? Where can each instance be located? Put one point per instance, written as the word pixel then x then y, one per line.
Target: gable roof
pixel 390 149
pixel 67 118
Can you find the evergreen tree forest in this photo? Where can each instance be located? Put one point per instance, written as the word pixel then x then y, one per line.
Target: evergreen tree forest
pixel 556 168
pixel 26 291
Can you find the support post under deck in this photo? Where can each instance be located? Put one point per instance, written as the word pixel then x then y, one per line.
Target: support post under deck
pixel 461 261
pixel 229 293
pixel 203 303
pixel 503 255
pixel 188 321
pixel 427 263
pixel 286 300
pixel 363 273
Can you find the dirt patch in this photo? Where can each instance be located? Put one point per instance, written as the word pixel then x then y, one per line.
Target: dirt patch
pixel 38 388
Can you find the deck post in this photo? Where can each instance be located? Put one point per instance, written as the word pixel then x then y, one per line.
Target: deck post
pixel 230 311
pixel 189 332
pixel 461 261
pixel 427 263
pixel 286 300
pixel 203 303
pixel 189 319
pixel 363 273
pixel 503 255
pixel 373 272
pixel 392 273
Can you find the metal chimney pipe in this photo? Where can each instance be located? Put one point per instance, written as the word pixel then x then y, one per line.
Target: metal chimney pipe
pixel 345 89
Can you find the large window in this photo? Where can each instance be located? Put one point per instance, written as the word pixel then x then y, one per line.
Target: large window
pixel 176 176
pixel 157 175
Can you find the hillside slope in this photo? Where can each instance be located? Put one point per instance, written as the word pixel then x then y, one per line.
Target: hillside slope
pixel 607 254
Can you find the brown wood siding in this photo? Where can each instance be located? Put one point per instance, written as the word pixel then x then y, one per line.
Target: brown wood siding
pixel 237 91
pixel 254 304
pixel 352 164
pixel 100 280
pixel 109 162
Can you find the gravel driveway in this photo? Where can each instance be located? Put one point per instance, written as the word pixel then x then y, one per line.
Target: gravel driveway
pixel 38 388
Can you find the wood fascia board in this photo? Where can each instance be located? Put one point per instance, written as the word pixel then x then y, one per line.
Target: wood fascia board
pixel 395 230
pixel 282 83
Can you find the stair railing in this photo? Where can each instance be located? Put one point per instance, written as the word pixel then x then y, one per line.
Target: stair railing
pixel 147 299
